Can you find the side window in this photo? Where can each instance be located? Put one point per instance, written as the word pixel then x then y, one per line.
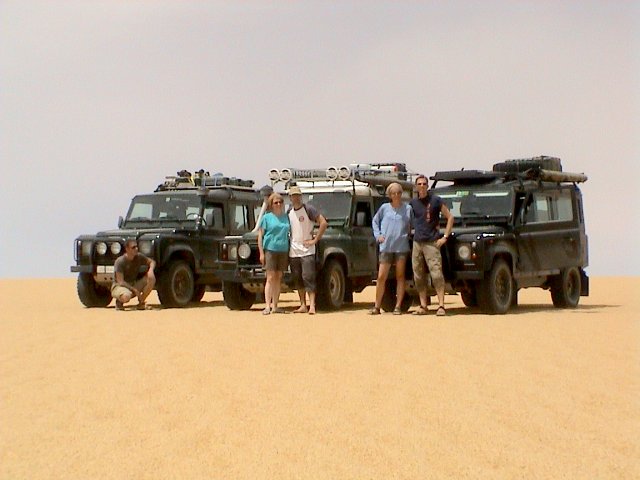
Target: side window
pixel 213 216
pixel 564 207
pixel 542 209
pixel 363 215
pixel 551 207
pixel 240 217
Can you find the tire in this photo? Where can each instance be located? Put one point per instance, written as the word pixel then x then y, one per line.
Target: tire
pixel 469 297
pixel 331 286
pixel 90 293
pixel 565 288
pixel 390 296
pixel 495 292
pixel 236 297
pixel 176 286
pixel 198 293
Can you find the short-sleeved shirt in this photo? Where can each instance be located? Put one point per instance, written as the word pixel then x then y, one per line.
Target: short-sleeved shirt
pixel 426 217
pixel 130 269
pixel 302 222
pixel 275 237
pixel 393 224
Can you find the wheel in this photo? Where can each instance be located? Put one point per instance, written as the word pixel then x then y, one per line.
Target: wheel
pixel 236 297
pixel 389 298
pixel 198 293
pixel 90 293
pixel 331 286
pixel 469 297
pixel 176 285
pixel 495 292
pixel 565 288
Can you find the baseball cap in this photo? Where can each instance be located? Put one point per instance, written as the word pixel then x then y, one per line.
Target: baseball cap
pixel 295 190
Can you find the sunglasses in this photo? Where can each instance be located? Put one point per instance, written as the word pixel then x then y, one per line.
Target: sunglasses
pixel 277 203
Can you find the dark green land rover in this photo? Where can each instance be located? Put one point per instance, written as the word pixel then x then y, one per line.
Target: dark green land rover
pixel 519 225
pixel 179 225
pixel 346 255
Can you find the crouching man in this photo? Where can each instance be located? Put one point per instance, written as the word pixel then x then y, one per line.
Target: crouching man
pixel 127 284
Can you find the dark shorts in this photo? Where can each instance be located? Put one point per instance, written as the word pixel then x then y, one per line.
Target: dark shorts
pixel 393 257
pixel 303 271
pixel 276 260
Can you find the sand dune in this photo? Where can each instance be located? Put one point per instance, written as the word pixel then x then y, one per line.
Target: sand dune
pixel 210 393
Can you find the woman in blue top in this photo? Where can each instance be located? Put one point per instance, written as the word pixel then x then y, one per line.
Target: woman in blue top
pixel 391 227
pixel 273 243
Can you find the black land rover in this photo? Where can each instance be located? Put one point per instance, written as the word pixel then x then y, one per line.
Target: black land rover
pixel 519 225
pixel 179 225
pixel 346 255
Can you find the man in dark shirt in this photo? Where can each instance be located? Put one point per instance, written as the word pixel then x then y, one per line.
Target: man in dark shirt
pixel 127 284
pixel 427 209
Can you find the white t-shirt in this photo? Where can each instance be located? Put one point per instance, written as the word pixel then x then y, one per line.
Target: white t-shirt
pixel 302 223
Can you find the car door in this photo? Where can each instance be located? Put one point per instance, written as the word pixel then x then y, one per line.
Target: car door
pixel 549 236
pixel 363 251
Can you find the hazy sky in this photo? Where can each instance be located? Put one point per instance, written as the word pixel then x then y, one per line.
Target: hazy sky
pixel 101 100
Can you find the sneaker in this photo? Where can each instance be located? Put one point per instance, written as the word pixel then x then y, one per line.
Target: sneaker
pixel 141 306
pixel 119 305
pixel 374 311
pixel 397 311
pixel 266 311
pixel 441 312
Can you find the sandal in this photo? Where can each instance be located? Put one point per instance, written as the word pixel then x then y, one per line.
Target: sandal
pixel 421 311
pixel 441 312
pixel 397 311
pixel 374 311
pixel 266 311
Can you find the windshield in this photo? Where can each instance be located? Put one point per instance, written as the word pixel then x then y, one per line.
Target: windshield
pixel 332 205
pixel 160 208
pixel 478 203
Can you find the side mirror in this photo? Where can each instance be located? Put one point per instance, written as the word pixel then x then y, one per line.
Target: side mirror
pixel 120 221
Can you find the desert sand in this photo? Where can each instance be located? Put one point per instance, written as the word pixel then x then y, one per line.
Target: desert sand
pixel 205 392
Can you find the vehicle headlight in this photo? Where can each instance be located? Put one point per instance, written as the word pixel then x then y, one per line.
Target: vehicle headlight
pixel 146 247
pixel 464 252
pixel 101 248
pixel 116 248
pixel 232 251
pixel 244 251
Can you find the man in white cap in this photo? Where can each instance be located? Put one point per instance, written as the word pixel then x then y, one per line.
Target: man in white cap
pixel 302 250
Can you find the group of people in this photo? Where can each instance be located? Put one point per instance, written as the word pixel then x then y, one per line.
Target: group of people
pixel 392 225
pixel 286 238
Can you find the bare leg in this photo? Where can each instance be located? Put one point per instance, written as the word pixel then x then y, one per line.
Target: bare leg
pixel 147 290
pixel 383 273
pixel 302 294
pixel 400 269
pixel 268 289
pixel 275 287
pixel 312 303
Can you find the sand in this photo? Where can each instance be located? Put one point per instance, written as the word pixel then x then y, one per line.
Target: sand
pixel 205 392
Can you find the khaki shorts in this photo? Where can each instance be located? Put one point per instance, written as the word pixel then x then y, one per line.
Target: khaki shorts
pixel 276 260
pixel 427 252
pixel 118 290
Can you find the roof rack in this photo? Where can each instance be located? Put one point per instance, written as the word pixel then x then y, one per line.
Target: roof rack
pixel 185 180
pixel 380 174
pixel 482 177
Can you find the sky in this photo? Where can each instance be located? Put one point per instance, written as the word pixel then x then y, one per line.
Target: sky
pixel 100 100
